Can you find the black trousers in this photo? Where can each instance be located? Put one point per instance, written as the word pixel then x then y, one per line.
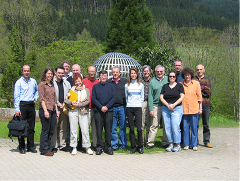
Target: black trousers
pixel 28 113
pixel 137 112
pixel 103 120
pixel 48 126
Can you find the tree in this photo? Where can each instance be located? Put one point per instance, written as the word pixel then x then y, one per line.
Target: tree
pixel 13 71
pixel 79 52
pixel 130 27
pixel 157 56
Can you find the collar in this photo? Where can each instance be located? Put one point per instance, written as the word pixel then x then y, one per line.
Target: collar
pixel 147 80
pixel 117 80
pixel 29 80
pixel 159 79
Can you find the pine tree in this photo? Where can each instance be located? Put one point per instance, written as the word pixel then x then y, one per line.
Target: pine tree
pixel 130 27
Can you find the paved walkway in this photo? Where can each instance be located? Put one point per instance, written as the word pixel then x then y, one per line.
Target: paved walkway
pixel 218 163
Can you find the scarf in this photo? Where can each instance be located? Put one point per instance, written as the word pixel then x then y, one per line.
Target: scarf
pixel 82 96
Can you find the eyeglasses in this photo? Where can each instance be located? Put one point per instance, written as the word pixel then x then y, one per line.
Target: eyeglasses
pixel 159 71
pixel 91 71
pixel 172 76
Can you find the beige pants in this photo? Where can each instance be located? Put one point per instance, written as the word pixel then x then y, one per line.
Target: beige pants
pixel 62 126
pixel 154 124
pixel 91 121
pixel 145 120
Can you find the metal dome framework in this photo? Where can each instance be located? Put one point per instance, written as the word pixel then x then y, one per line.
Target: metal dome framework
pixel 123 61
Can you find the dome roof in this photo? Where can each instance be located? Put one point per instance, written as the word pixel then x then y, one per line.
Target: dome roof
pixel 109 60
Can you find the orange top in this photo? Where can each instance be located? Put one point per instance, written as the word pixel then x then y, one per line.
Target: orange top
pixel 192 97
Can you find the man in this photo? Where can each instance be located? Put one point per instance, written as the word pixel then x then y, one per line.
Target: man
pixel 62 87
pixel 146 71
pixel 206 93
pixel 89 82
pixel 119 110
pixel 178 65
pixel 25 98
pixel 155 106
pixel 76 69
pixel 103 97
pixel 66 64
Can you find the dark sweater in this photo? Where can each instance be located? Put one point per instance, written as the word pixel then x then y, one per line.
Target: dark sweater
pixel 103 95
pixel 119 91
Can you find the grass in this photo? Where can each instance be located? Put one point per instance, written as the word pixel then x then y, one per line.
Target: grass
pixel 216 121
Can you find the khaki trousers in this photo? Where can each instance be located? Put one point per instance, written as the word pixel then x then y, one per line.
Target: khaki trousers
pixel 145 120
pixel 62 126
pixel 91 121
pixel 154 124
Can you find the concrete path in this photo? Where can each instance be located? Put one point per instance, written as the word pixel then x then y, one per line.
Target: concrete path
pixel 218 163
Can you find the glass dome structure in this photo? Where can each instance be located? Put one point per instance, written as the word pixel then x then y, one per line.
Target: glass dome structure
pixel 109 60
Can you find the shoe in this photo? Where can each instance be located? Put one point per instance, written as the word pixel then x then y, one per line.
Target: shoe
pixel 54 150
pixel 48 154
pixel 89 151
pixel 149 147
pixel 208 145
pixel 81 149
pixel 169 148
pixel 33 150
pixel 133 150
pixel 94 148
pixel 165 146
pixel 114 149
pixel 109 151
pixel 124 148
pixel 140 150
pixel 99 151
pixel 186 147
pixel 22 151
pixel 66 149
pixel 176 148
pixel 195 148
pixel 74 151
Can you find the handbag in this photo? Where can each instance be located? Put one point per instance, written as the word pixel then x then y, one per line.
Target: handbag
pixel 17 127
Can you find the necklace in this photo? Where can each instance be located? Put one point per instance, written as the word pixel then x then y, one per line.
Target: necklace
pixel 172 85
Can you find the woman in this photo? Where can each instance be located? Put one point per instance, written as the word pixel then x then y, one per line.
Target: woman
pixel 79 115
pixel 48 111
pixel 134 91
pixel 172 95
pixel 192 107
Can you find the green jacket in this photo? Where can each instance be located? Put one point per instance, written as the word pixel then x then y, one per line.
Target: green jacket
pixel 154 92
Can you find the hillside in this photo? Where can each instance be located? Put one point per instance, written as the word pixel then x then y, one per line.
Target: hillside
pixel 71 17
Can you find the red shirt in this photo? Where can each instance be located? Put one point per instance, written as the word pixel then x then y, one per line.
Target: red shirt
pixel 89 84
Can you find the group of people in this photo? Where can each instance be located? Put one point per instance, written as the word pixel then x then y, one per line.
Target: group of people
pixel 70 104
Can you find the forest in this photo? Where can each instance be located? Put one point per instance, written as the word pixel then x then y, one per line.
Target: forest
pixel 46 32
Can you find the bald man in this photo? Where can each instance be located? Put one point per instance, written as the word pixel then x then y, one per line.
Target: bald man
pixel 206 93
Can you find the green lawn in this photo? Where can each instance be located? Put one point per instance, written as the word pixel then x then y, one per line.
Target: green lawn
pixel 215 122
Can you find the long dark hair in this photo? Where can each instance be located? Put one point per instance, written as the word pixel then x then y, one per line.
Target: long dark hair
pixel 43 77
pixel 129 76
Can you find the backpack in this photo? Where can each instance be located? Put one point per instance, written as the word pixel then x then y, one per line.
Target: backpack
pixel 17 127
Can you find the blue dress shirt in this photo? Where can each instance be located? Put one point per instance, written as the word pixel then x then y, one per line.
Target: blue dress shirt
pixel 25 91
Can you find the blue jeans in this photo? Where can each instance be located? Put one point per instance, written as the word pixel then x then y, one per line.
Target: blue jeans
pixel 172 120
pixel 119 115
pixel 190 121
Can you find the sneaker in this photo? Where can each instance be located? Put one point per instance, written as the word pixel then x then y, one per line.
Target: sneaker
pixel 74 151
pixel 186 147
pixel 170 147
pixel 176 148
pixel 208 145
pixel 195 148
pixel 89 151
